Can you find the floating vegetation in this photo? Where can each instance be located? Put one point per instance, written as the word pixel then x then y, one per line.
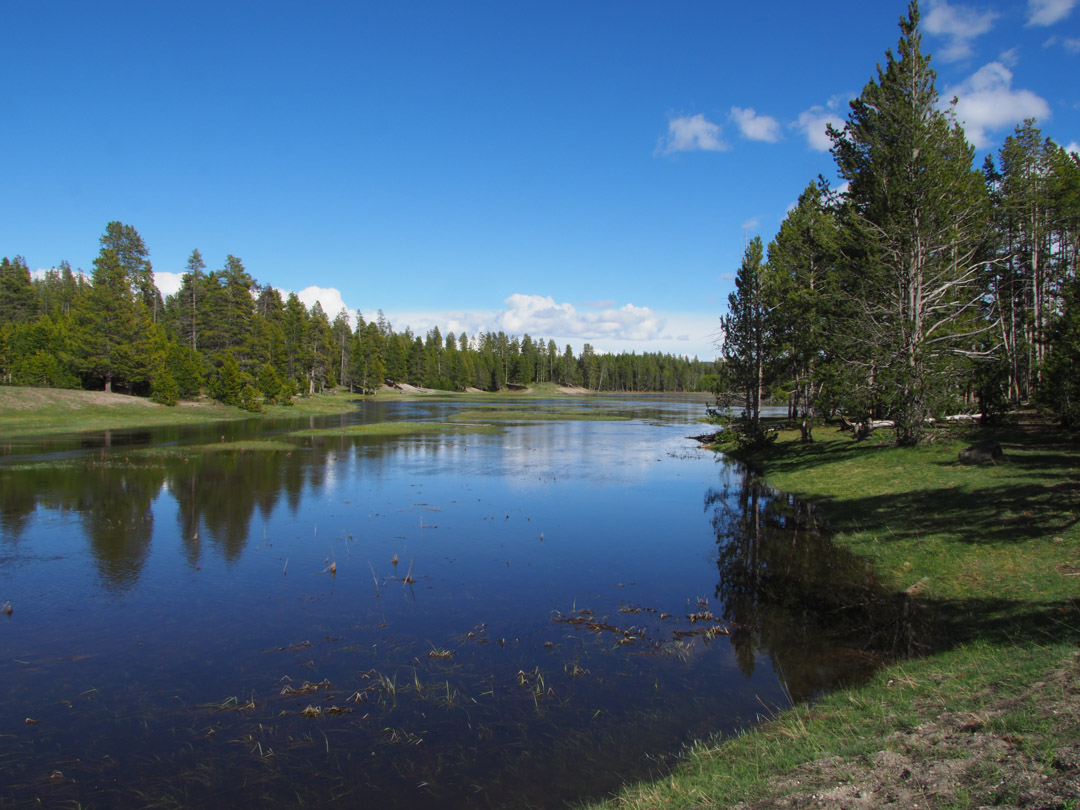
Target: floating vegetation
pixel 232 704
pixel 186 451
pixel 301 645
pixel 306 688
pixel 574 670
pixel 440 654
pixel 319 711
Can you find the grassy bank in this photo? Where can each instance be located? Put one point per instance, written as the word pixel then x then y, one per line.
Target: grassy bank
pixel 27 412
pixel 991 713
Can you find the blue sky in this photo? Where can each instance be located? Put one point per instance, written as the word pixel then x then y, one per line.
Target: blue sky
pixel 582 171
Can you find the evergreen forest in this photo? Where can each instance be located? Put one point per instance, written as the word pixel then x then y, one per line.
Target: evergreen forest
pixel 224 334
pixel 922 286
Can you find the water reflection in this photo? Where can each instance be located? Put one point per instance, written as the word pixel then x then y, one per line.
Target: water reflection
pixel 544 650
pixel 814 608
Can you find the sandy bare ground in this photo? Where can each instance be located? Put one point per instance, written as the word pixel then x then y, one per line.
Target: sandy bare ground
pixel 956 760
pixel 405 388
pixel 29 399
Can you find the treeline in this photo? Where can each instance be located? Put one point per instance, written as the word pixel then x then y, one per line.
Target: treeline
pixel 241 342
pixel 924 286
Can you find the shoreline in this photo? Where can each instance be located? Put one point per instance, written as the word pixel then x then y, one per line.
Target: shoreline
pixel 27 413
pixel 991 714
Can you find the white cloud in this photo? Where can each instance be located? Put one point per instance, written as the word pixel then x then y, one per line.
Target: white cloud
pixel 813 122
pixel 1048 12
pixel 612 330
pixel 41 272
pixel 540 315
pixel 691 134
pixel 756 127
pixel 1073 147
pixel 328 297
pixel 167 283
pixel 986 102
pixel 1010 58
pixel 751 224
pixel 960 25
pixel 1072 44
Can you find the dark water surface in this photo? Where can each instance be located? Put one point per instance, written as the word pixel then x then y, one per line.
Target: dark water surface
pixel 572 602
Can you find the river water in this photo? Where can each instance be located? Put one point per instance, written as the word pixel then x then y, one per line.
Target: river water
pixel 522 618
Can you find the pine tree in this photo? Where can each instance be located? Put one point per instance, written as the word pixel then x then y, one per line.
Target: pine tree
pixel 295 328
pixel 188 299
pixel 134 257
pixel 113 327
pixel 18 301
pixel 746 338
pixel 798 288
pixel 368 368
pixel 914 235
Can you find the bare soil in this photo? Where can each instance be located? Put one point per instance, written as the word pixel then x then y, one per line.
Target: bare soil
pixel 957 760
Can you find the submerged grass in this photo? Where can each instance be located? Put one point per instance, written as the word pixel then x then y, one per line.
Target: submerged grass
pixel 392 429
pixel 991 556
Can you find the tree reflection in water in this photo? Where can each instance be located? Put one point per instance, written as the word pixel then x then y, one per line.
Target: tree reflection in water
pixel 790 593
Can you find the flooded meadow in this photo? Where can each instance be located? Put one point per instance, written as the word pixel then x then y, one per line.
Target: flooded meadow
pixel 516 608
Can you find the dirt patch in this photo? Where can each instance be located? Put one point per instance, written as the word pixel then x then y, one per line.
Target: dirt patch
pixel 29 399
pixel 573 389
pixel 405 388
pixel 957 760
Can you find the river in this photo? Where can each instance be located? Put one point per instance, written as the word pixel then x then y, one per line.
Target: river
pixel 526 617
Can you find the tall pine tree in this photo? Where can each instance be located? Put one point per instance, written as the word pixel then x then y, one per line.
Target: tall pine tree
pixel 914 235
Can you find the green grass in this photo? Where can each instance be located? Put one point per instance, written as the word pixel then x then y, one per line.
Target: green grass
pixel 855 724
pixel 325 404
pixel 27 412
pixel 1008 531
pixel 243 446
pixel 504 413
pixel 994 552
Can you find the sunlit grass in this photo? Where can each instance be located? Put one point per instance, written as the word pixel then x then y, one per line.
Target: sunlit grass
pixel 855 724
pixel 27 412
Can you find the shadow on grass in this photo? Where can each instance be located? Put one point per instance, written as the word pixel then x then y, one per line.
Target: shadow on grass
pixel 813 607
pixel 1034 492
pixel 1005 514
